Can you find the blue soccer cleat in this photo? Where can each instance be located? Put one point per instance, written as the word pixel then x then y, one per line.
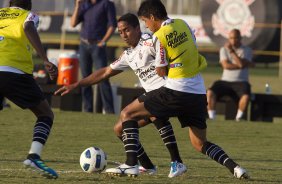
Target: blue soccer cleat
pixel 33 161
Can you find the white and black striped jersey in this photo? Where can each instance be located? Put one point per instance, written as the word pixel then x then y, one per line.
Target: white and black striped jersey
pixel 141 59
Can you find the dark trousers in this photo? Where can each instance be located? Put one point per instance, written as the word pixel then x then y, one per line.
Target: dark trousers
pixel 92 54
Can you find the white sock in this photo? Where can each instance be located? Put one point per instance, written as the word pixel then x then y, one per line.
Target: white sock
pixel 239 114
pixel 211 114
pixel 36 147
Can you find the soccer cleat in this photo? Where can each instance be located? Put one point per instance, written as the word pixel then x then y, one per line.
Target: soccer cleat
pixel 143 170
pixel 33 161
pixel 124 170
pixel 240 173
pixel 176 169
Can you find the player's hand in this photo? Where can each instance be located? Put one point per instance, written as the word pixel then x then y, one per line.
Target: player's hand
pixel 162 71
pixel 52 69
pixel 79 2
pixel 229 46
pixel 66 89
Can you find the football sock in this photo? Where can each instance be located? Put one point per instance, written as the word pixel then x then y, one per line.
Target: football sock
pixel 217 154
pixel 130 139
pixel 40 134
pixel 42 129
pixel 166 132
pixel 211 114
pixel 142 156
pixel 239 114
pixel 36 147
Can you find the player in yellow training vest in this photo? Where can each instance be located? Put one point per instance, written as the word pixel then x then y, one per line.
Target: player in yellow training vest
pixel 18 35
pixel 183 96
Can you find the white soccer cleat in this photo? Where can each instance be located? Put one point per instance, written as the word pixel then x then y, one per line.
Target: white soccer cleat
pixel 176 169
pixel 240 173
pixel 143 170
pixel 124 170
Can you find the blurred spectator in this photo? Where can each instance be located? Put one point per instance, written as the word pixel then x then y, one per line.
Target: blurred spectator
pixel 98 19
pixel 235 60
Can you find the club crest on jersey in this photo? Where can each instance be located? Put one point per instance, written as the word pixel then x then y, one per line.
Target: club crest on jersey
pixel 233 14
pixel 2 38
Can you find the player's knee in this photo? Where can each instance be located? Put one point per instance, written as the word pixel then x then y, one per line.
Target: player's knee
pixel 210 94
pixel 118 129
pixel 125 115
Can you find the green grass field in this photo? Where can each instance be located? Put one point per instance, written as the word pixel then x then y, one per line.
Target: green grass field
pixel 256 146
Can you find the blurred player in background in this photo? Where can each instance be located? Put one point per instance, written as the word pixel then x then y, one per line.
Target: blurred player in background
pixel 183 95
pixel 18 35
pixel 140 57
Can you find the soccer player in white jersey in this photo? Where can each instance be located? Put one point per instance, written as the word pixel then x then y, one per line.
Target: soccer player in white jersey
pixel 183 96
pixel 18 35
pixel 140 57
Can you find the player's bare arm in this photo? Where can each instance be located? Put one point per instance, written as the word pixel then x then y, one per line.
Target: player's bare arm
pixel 94 78
pixel 33 37
pixel 74 17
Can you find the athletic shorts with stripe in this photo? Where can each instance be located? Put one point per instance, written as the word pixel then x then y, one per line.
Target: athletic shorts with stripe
pixel 190 109
pixel 21 89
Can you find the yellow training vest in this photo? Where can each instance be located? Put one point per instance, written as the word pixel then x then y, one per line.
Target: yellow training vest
pixel 15 48
pixel 181 51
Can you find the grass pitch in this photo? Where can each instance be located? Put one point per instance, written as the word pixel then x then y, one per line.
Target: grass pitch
pixel 256 146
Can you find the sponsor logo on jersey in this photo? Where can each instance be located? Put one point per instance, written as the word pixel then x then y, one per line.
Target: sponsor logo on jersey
pixel 4 14
pixel 147 73
pixel 233 14
pixel 176 65
pixel 175 39
pixel 162 52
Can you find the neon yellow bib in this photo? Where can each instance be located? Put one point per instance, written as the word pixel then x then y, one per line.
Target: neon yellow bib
pixel 181 51
pixel 15 49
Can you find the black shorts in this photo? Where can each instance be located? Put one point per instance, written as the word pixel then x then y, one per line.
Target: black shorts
pixel 232 89
pixel 190 109
pixel 21 89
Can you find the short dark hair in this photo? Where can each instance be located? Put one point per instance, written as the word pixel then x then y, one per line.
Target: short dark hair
pixel 236 31
pixel 154 7
pixel 131 19
pixel 24 4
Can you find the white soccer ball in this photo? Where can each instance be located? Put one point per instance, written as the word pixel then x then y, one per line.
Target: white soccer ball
pixel 93 159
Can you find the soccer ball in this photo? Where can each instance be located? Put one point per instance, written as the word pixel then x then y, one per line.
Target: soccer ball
pixel 93 159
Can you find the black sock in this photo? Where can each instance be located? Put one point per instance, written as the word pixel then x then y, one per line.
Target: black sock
pixel 42 129
pixel 142 156
pixel 130 139
pixel 166 132
pixel 216 153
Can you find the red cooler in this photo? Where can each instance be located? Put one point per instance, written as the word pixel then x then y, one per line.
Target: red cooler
pixel 67 69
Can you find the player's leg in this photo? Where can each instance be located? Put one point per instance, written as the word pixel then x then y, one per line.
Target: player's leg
pixel 146 165
pixel 22 90
pixel 41 133
pixel 200 143
pixel 211 97
pixel 243 90
pixel 167 134
pixel 85 64
pixel 130 137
